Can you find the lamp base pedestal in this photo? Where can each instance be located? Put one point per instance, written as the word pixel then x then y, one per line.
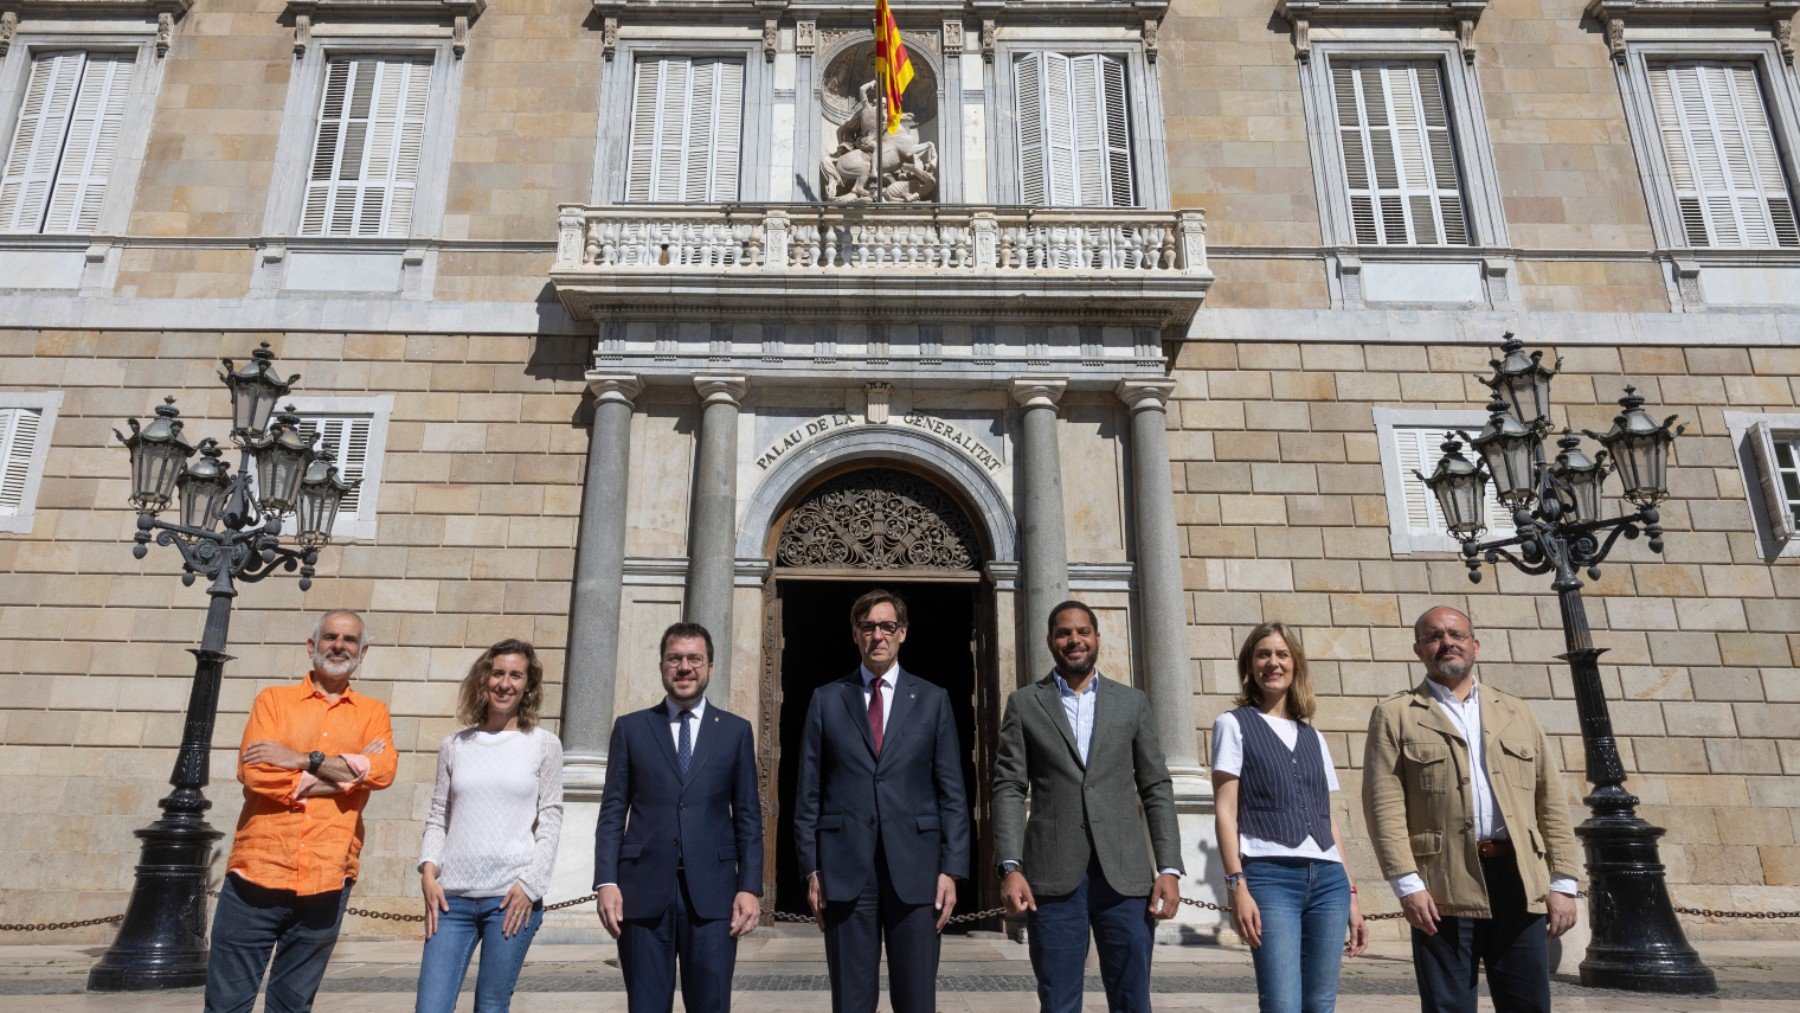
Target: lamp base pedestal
pixel 162 942
pixel 1637 942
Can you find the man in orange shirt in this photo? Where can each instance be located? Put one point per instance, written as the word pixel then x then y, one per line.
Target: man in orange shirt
pixel 312 752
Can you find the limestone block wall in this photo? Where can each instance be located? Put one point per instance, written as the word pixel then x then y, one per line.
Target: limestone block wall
pixel 1279 488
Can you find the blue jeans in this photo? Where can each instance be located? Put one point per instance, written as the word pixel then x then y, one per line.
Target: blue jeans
pixel 253 921
pixel 472 920
pixel 1305 906
pixel 1123 930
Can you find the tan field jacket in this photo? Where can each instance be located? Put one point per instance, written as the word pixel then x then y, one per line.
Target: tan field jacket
pixel 1421 806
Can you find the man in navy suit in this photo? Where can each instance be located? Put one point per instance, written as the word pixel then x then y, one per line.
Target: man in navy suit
pixel 682 876
pixel 881 822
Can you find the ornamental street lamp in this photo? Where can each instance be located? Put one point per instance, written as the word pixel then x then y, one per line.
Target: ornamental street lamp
pixel 229 531
pixel 1558 525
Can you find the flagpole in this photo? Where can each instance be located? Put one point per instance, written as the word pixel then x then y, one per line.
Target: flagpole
pixel 880 109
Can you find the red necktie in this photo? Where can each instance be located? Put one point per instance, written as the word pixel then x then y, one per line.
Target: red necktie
pixel 875 712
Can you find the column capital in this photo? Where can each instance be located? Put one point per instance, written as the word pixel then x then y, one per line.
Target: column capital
pixel 717 388
pixel 1038 391
pixel 622 388
pixel 1149 393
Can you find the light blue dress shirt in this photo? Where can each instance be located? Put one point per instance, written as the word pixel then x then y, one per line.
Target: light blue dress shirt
pixel 1079 707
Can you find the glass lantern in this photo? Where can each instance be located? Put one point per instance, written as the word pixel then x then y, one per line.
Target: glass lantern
pixel 204 486
pixel 1579 479
pixel 158 452
pixel 282 456
pixel 1460 488
pixel 322 494
pixel 1522 381
pixel 254 391
pixel 1510 450
pixel 1640 451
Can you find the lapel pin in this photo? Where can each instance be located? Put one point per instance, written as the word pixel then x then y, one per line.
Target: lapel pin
pixel 912 696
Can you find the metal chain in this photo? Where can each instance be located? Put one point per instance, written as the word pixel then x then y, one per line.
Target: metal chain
pixel 788 916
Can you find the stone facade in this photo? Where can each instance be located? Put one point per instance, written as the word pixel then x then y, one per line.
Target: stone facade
pixel 1278 487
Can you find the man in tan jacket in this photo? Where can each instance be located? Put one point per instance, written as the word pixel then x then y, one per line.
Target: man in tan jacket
pixel 1471 827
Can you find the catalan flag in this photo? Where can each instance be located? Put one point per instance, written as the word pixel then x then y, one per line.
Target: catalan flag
pixel 893 67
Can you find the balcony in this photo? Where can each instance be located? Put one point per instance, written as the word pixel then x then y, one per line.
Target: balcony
pixel 871 263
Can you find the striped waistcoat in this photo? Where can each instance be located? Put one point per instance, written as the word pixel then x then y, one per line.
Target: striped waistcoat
pixel 1282 793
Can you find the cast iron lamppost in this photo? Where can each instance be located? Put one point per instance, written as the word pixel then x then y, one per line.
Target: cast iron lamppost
pixel 1560 529
pixel 228 531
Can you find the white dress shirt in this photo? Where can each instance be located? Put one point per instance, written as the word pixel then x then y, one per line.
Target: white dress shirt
pixel 1490 824
pixel 674 710
pixel 891 676
pixel 1079 708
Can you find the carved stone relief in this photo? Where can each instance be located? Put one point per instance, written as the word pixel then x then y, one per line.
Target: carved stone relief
pixel 878 519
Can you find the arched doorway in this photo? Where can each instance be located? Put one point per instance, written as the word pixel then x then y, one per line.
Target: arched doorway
pixel 849 532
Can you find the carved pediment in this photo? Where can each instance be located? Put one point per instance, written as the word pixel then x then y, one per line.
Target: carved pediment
pixel 455 14
pixel 164 13
pixel 878 519
pixel 1776 15
pixel 1459 16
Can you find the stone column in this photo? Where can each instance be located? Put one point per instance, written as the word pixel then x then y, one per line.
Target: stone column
pixel 1162 600
pixel 1043 547
pixel 590 668
pixel 712 522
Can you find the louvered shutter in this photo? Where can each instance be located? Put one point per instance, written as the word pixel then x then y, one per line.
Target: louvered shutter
pixel 37 141
pixel 18 442
pixel 1398 153
pixel 92 143
pixel 1074 131
pixel 1418 448
pixel 349 438
pixel 365 164
pixel 1730 187
pixel 1780 486
pixel 686 130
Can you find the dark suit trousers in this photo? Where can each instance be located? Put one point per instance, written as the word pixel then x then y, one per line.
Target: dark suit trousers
pixel 1513 944
pixel 854 930
pixel 648 948
pixel 1122 927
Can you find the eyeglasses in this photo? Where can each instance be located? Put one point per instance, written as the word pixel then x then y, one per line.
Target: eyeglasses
pixel 868 629
pixel 1454 636
pixel 693 660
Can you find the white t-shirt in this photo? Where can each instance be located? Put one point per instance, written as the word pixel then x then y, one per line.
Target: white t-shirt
pixel 1228 758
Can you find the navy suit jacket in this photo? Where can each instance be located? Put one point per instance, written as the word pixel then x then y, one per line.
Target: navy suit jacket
pixel 910 799
pixel 651 817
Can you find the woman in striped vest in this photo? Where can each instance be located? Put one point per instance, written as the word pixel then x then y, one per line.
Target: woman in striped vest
pixel 1278 839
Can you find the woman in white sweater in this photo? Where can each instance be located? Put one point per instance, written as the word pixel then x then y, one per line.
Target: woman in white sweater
pixel 490 840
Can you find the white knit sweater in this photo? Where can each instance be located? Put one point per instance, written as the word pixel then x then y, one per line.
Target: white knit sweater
pixel 496 812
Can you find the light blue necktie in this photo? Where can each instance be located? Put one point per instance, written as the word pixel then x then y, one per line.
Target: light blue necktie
pixel 685 751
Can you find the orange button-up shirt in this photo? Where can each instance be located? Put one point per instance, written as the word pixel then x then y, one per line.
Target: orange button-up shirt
pixel 308 845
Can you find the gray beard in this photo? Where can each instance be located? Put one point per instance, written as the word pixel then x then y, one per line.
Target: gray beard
pixel 334 669
pixel 1456 668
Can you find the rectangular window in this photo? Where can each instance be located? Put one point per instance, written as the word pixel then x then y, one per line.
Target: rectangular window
pixel 1730 187
pixel 686 125
pixel 1411 440
pixel 1398 153
pixel 65 141
pixel 356 428
pixel 1074 130
pixel 348 437
pixel 1776 454
pixel 371 129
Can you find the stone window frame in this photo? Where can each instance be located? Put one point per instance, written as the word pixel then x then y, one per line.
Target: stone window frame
pixel 1402 540
pixel 413 255
pixel 1143 89
pixel 47 404
pixel 612 148
pixel 1685 265
pixel 380 410
pixel 1483 208
pixel 1744 427
pixel 88 262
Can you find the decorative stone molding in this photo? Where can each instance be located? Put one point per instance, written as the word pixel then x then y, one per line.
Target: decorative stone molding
pixel 609 36
pixel 1147 394
pixel 722 389
pixel 457 14
pixel 163 12
pixel 1152 33
pixel 988 31
pixel 1039 391
pixel 806 38
pixel 1616 15
pixel 620 388
pixel 1459 16
pixel 771 38
pixel 878 519
pixel 953 37
pixel 877 398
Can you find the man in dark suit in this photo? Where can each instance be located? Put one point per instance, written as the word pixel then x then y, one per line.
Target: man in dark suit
pixel 681 876
pixel 881 823
pixel 1101 805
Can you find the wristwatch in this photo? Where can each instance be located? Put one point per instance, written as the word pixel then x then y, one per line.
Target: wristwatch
pixel 1008 867
pixel 313 759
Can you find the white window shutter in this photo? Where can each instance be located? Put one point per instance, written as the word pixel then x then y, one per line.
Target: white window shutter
pixel 18 442
pixel 1730 187
pixel 1783 509
pixel 686 130
pixel 1087 114
pixel 371 134
pixel 1399 157
pixel 1028 78
pixel 37 141
pixel 1114 105
pixel 1419 447
pixel 1059 133
pixel 92 143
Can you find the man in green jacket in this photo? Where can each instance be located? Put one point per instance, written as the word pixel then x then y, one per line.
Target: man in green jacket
pixel 1084 748
pixel 1471 827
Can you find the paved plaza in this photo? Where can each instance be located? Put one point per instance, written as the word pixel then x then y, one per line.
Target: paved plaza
pixel 784 970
